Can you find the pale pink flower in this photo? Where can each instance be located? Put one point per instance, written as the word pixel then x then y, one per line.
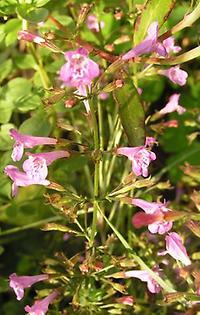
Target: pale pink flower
pixel 176 75
pixel 140 157
pixel 40 307
pixel 150 141
pixel 36 164
pixel 154 216
pixel 19 283
pixel 27 141
pixel 144 276
pixel 148 45
pixel 103 96
pixel 176 249
pixel 21 179
pixel 93 24
pixel 79 71
pixel 30 37
pixel 169 44
pixel 173 106
pixel 126 300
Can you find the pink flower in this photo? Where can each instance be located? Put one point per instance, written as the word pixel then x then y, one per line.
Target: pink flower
pixel 175 248
pixel 169 45
pixel 21 179
pixel 30 37
pixel 26 141
pixel 103 96
pixel 140 157
pixel 93 24
pixel 176 75
pixel 36 164
pixel 150 141
pixel 126 300
pixel 153 216
pixel 144 276
pixel 173 106
pixel 171 123
pixel 79 71
pixel 19 283
pixel 148 45
pixel 40 307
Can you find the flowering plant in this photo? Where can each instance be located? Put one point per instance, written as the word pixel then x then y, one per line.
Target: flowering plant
pixel 103 219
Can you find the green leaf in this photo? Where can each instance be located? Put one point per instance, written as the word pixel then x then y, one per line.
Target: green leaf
pixel 24 61
pixel 6 108
pixel 5 69
pixel 11 28
pixel 37 125
pixel 131 113
pixel 32 14
pixel 154 10
pixel 5 139
pixel 40 3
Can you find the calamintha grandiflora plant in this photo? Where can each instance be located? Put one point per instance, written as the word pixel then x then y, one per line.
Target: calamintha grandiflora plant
pixel 117 198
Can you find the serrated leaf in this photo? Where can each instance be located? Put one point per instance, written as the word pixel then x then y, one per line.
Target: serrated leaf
pixel 131 113
pixel 154 10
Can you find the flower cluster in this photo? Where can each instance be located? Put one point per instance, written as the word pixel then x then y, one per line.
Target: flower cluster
pixel 35 168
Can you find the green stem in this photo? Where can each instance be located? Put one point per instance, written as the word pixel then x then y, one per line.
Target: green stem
pixel 96 173
pixel 142 264
pixel 43 75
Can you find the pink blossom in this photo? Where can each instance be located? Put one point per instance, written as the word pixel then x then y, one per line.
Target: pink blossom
pixel 153 216
pixel 79 71
pixel 36 164
pixel 93 24
pixel 19 283
pixel 150 141
pixel 21 179
pixel 140 157
pixel 30 37
pixel 40 307
pixel 27 141
pixel 171 123
pixel 176 75
pixel 103 96
pixel 148 45
pixel 175 248
pixel 144 276
pixel 170 46
pixel 173 105
pixel 126 300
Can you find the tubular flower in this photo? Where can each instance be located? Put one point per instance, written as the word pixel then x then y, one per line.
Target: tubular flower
pixel 173 106
pixel 79 71
pixel 169 44
pixel 154 216
pixel 148 45
pixel 30 37
pixel 26 141
pixel 175 248
pixel 40 307
pixel 144 276
pixel 140 157
pixel 21 179
pixel 19 283
pixel 93 24
pixel 176 75
pixel 36 164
